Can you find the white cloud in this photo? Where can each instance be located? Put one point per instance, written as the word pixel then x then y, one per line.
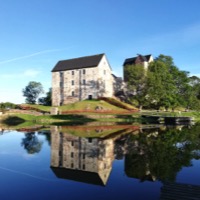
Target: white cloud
pixel 198 75
pixel 29 73
pixel 28 56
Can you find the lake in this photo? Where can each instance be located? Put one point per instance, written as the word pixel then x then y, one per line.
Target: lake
pixel 100 162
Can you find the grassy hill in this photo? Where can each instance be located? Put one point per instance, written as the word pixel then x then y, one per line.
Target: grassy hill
pixel 110 106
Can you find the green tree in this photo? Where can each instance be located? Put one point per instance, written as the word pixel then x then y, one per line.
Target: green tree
pixel 194 81
pixel 46 100
pixel 32 91
pixel 160 84
pixel 136 84
pixel 192 94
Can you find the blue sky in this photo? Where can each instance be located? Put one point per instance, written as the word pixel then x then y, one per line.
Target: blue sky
pixel 35 34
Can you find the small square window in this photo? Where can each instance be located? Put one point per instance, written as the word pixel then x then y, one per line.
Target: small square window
pixel 72 82
pixel 61 74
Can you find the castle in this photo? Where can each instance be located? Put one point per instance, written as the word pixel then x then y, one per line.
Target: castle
pixel 88 77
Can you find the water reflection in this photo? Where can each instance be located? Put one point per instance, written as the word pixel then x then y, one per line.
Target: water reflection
pixel 151 162
pixel 161 154
pixel 31 143
pixel 81 159
pixel 149 154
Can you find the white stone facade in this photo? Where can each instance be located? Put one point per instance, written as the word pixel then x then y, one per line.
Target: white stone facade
pixel 69 86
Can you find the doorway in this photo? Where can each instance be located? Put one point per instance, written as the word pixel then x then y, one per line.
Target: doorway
pixel 90 97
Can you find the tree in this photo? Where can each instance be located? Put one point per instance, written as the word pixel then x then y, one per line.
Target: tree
pixel 32 91
pixel 194 81
pixel 31 143
pixel 160 84
pixel 136 84
pixel 46 100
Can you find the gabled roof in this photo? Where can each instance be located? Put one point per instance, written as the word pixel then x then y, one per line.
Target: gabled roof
pixel 78 63
pixel 132 61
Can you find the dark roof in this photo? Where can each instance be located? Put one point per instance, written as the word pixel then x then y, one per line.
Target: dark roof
pixel 78 175
pixel 78 63
pixel 131 61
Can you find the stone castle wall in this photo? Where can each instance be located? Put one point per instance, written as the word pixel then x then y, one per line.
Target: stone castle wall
pixel 79 84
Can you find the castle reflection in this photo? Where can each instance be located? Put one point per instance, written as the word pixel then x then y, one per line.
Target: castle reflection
pixel 81 159
pixel 149 154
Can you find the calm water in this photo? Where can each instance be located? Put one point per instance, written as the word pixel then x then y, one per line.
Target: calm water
pixel 128 164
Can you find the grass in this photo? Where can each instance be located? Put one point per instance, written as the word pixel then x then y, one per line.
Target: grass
pixel 40 107
pixel 84 106
pixel 85 111
pixel 90 105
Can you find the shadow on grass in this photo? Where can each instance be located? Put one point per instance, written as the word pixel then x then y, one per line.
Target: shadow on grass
pixel 74 117
pixel 13 121
pixel 62 120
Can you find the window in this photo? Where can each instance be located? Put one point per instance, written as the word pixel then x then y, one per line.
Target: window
pixel 73 93
pixel 84 71
pixel 72 72
pixel 90 140
pixel 61 74
pixel 72 82
pixel 84 82
pixel 104 71
pixel 72 154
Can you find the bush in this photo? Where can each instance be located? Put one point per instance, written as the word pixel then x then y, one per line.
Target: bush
pixel 7 106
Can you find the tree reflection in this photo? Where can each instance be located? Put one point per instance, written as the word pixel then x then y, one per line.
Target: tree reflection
pixel 159 155
pixel 31 143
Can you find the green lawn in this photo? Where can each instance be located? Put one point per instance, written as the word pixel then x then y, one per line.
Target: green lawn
pixel 86 105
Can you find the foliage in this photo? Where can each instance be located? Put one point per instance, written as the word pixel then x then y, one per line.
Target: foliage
pixel 32 91
pixel 161 153
pixel 162 85
pixel 46 100
pixel 136 84
pixel 7 105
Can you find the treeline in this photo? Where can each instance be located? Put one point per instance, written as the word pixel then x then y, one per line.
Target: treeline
pixel 162 85
pixel 7 105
